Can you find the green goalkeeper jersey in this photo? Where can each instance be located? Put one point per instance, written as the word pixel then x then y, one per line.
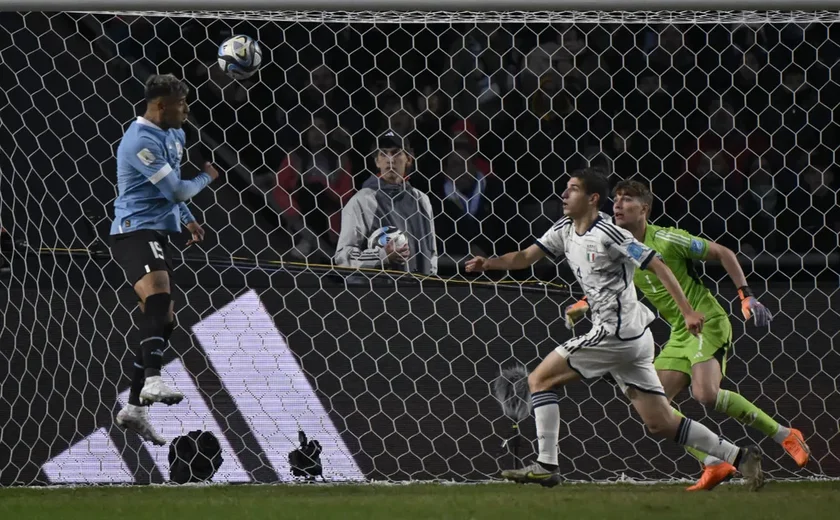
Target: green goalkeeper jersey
pixel 678 249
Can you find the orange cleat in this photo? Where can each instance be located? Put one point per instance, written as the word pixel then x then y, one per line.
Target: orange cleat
pixel 795 445
pixel 712 476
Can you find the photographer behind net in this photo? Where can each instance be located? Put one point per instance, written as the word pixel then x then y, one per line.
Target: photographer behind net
pixel 388 223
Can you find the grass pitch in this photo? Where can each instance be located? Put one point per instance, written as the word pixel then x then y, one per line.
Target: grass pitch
pixel 787 501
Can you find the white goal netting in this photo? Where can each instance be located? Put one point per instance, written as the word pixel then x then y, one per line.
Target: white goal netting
pixel 731 117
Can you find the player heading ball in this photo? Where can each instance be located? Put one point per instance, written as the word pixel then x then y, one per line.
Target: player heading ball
pixel 603 258
pixel 150 206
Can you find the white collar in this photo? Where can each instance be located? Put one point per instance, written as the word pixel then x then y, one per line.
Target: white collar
pixel 143 121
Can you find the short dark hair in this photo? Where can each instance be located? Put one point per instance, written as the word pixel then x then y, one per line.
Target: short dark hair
pixel 165 85
pixel 633 188
pixel 594 182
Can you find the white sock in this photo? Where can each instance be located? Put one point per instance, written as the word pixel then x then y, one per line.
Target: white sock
pixel 697 436
pixel 547 415
pixel 781 434
pixel 711 461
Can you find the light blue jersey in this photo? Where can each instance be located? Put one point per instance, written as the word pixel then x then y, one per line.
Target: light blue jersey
pixel 151 193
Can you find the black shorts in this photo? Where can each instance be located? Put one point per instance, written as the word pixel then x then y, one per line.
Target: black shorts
pixel 142 252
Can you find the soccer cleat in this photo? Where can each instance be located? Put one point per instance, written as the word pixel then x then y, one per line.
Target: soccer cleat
pixel 712 476
pixel 156 391
pixel 750 467
pixel 136 418
pixel 795 445
pixel 533 474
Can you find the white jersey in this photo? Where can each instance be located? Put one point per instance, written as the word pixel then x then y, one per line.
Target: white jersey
pixel 604 260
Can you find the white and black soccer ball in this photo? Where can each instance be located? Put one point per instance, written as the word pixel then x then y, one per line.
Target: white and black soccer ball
pixel 240 56
pixel 383 235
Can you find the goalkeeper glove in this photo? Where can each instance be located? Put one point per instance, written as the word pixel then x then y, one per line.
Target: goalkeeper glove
pixel 576 311
pixel 750 308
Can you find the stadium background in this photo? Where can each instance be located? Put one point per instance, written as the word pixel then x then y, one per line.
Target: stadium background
pixel 72 82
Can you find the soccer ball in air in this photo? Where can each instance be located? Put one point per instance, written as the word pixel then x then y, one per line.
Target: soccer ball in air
pixel 240 56
pixel 383 235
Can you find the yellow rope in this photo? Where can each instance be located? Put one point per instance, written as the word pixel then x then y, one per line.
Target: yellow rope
pixel 352 269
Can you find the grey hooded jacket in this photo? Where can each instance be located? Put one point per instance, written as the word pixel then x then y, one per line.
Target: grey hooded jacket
pixel 379 204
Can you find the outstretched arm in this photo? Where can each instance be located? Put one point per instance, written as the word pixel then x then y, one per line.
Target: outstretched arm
pixel 150 162
pixel 507 262
pixel 729 262
pixel 750 307
pixel 551 243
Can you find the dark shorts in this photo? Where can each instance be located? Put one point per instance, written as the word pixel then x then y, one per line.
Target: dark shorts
pixel 142 252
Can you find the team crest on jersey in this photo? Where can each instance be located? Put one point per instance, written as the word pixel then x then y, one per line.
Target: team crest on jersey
pixel 146 156
pixel 179 150
pixel 591 257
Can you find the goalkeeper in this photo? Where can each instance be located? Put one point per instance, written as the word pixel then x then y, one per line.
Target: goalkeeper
pixel 686 359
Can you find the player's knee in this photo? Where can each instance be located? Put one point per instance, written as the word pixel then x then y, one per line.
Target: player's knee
pixel 656 428
pixel 672 382
pixel 705 394
pixel 661 425
pixel 153 283
pixel 537 383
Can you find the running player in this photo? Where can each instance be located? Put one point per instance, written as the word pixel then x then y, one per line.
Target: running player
pixel 698 360
pixel 603 258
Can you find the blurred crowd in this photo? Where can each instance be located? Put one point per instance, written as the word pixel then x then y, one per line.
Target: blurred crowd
pixel 732 125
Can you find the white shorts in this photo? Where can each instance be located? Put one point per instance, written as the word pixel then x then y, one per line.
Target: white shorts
pixel 630 363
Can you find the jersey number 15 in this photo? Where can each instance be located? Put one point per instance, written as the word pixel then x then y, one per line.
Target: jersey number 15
pixel 157 250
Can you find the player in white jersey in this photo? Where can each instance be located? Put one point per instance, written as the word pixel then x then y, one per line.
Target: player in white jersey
pixel 603 258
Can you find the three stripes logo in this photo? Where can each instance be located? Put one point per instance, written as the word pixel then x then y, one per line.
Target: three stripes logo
pixel 255 408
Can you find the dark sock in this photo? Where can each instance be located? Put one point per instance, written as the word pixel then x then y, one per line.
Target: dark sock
pixel 154 342
pixel 549 467
pixel 137 379
pixel 152 355
pixel 167 331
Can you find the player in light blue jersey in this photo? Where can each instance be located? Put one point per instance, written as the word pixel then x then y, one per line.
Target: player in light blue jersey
pixel 150 206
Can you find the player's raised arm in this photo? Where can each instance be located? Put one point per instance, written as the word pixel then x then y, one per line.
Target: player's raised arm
pixel 149 160
pixel 750 307
pixel 696 248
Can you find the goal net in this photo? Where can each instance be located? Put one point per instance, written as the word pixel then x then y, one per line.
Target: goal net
pixel 730 117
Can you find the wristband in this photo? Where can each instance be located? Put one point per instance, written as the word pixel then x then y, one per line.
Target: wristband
pixel 745 292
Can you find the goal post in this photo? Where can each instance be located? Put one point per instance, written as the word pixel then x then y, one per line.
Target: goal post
pixel 729 115
pixel 422 5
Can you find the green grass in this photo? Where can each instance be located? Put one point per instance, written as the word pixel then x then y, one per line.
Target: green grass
pixel 788 501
